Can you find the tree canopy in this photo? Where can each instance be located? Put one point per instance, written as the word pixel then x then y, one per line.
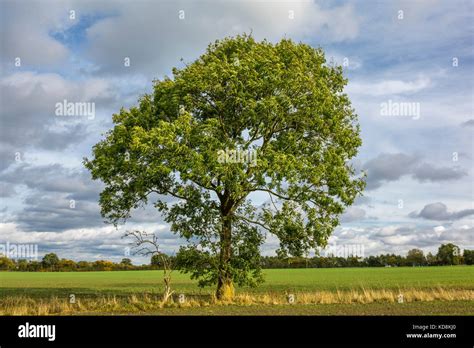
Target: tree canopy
pixel 280 102
pixel 449 254
pixel 50 260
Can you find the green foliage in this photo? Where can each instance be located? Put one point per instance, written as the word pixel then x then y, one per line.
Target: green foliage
pixel 159 259
pixel 50 260
pixel 416 257
pixel 431 259
pixel 126 262
pixel 449 254
pixel 66 265
pixel 103 265
pixel 155 260
pixel 5 263
pixel 468 257
pixel 281 101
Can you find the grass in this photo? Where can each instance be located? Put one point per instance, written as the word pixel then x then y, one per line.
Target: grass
pixel 427 290
pixel 242 305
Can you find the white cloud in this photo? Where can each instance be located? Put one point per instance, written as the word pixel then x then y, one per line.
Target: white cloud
pixel 399 238
pixel 161 38
pixel 28 110
pixel 85 243
pixel 353 213
pixel 26 29
pixel 389 87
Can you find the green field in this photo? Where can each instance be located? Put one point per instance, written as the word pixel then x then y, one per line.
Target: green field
pixel 90 285
pixel 127 282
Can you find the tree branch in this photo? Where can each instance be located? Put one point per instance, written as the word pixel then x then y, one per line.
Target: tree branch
pixel 252 221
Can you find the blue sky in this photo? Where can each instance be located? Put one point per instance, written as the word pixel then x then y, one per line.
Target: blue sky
pixel 420 166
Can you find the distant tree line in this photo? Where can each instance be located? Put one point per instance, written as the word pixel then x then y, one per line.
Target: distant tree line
pixel 448 254
pixel 51 262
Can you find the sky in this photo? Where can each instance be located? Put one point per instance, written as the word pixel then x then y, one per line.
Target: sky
pixel 410 66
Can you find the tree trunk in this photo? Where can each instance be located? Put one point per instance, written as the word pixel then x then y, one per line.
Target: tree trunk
pixel 225 285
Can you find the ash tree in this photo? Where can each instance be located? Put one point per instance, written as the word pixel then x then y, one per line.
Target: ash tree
pixel 280 101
